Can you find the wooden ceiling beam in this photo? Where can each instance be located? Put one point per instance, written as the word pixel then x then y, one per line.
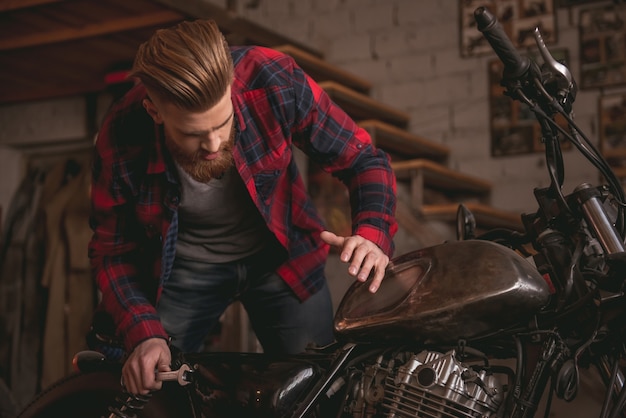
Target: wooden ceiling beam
pixel 90 30
pixel 48 91
pixel 201 10
pixel 8 5
pixel 229 22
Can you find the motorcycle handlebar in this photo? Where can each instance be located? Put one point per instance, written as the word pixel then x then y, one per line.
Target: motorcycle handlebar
pixel 515 64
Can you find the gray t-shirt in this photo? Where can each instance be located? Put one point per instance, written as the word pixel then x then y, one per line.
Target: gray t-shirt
pixel 218 222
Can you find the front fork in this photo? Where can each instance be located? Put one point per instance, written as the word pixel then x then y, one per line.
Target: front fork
pixel 613 377
pixel 563 259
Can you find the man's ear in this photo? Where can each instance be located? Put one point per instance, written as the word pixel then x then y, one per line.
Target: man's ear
pixel 152 111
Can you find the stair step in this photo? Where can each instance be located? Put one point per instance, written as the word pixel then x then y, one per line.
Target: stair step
pixel 241 31
pixel 418 227
pixel 421 174
pixel 320 70
pixel 360 106
pixel 402 144
pixel 486 216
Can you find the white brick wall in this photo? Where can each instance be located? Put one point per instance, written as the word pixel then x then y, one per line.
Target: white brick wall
pixel 50 120
pixel 377 17
pixel 409 50
pixel 329 26
pixel 375 71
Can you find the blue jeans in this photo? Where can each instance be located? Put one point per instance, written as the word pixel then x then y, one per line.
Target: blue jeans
pixel 197 294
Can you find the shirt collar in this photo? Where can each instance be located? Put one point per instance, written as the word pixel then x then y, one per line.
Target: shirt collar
pixel 156 156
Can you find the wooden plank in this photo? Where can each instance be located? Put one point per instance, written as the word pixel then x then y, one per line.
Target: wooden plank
pixel 8 5
pixel 321 70
pixel 403 142
pixel 47 91
pixel 360 106
pixel 439 176
pixel 486 216
pixel 90 30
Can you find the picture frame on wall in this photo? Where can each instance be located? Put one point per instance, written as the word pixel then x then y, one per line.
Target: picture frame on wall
pixel 518 18
pixel 514 128
pixel 612 130
pixel 602 46
pixel 570 3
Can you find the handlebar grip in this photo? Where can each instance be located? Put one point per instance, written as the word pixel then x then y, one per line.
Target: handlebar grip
pixel 515 65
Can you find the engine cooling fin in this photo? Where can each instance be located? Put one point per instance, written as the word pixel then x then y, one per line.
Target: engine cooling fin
pixel 406 400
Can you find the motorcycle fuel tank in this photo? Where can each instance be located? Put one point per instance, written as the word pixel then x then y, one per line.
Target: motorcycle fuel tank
pixel 440 294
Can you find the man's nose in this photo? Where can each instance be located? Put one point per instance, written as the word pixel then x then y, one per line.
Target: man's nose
pixel 211 142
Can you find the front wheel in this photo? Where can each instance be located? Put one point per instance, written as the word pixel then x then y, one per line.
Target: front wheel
pixel 89 395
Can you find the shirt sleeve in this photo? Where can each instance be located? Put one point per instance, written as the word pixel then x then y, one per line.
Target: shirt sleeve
pixel 332 139
pixel 114 248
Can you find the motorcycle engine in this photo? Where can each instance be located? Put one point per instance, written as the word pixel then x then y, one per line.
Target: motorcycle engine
pixel 427 384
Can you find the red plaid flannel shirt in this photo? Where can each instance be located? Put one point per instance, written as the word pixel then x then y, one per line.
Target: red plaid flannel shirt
pixel 135 192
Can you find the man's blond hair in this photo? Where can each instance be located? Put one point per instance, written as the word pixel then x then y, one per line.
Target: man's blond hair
pixel 188 65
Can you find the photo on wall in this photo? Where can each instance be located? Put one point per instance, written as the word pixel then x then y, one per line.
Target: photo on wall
pixel 602 46
pixel 570 3
pixel 612 130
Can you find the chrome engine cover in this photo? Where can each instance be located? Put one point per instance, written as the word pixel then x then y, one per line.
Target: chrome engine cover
pixel 431 384
pixel 427 384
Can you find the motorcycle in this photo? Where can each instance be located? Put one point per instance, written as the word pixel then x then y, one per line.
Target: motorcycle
pixel 490 325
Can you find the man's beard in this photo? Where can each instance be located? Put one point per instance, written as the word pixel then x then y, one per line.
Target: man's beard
pixel 200 169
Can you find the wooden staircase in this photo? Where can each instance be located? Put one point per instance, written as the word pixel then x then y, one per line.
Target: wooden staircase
pixel 435 191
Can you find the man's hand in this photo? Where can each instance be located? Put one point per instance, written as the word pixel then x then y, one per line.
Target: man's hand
pixel 140 368
pixel 363 256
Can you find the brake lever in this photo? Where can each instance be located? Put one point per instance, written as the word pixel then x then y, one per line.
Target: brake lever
pixel 565 85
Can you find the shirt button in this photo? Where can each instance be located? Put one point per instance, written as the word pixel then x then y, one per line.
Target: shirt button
pixel 359 146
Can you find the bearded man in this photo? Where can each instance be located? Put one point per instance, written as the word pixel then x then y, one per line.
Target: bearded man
pixel 198 202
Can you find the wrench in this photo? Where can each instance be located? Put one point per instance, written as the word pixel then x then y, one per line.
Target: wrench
pixel 182 375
